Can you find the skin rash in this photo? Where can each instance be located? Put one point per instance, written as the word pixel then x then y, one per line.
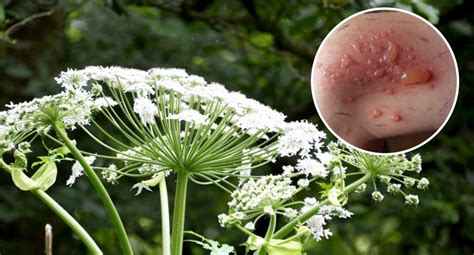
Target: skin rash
pixel 384 81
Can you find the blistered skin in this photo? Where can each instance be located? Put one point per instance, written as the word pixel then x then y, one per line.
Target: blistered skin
pixel 384 75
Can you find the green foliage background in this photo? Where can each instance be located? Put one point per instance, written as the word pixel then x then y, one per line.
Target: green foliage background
pixel 262 48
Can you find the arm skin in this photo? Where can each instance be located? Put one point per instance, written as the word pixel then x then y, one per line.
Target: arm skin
pixel 384 79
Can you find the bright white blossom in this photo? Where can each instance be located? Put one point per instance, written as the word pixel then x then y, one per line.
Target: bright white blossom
pixel 316 225
pixel 311 167
pixel 191 116
pixel 249 226
pixel 377 196
pixel 78 171
pixel 423 183
pixel 412 200
pixel 146 109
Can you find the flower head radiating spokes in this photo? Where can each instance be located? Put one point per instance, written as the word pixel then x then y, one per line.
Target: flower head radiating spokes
pixel 178 122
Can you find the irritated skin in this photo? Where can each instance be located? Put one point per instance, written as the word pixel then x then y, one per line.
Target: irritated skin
pixel 384 76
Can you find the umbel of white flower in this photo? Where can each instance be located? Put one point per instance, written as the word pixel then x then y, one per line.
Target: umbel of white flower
pixel 179 122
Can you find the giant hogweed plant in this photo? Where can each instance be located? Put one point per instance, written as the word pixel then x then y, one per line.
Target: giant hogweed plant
pixel 165 124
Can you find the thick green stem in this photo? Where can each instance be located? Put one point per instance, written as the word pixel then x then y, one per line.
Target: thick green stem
pixel 165 217
pixel 308 214
pixel 178 214
pixel 64 215
pixel 99 187
pixel 269 234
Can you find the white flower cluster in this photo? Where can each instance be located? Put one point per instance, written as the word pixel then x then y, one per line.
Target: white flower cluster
pixel 317 222
pixel 265 194
pixel 78 170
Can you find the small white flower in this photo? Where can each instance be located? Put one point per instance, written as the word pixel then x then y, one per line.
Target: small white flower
pixel 311 167
pixel 377 196
pixel 393 188
pixel 361 188
pixel 141 88
pixel 104 102
pixel 249 226
pixel 309 203
pixel 303 183
pixel 146 109
pixel 191 116
pixel 423 183
pixel 300 137
pixel 287 170
pixel 77 170
pixel 290 213
pixel 409 182
pixel 316 225
pixel 110 174
pixel 224 219
pixel 269 210
pixel 412 200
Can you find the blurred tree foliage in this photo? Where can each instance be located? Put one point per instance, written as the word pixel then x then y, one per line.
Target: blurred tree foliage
pixel 262 48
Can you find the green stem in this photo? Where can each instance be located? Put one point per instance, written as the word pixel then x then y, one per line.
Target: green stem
pixel 269 234
pixel 64 215
pixel 165 217
pixel 178 214
pixel 99 187
pixel 308 214
pixel 69 220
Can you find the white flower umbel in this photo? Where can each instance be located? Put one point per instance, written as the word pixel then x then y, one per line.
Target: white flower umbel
pixel 264 195
pixel 300 137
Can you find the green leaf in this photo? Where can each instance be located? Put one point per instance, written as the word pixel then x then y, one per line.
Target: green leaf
pixel 430 12
pixel 325 188
pixel 214 247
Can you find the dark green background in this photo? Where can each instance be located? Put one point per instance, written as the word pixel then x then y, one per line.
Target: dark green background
pixel 264 49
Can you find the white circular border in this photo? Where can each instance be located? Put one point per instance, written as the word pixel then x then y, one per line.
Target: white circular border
pixel 444 40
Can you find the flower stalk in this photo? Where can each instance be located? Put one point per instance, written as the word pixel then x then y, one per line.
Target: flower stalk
pixel 269 234
pixel 285 230
pixel 99 187
pixel 165 217
pixel 179 213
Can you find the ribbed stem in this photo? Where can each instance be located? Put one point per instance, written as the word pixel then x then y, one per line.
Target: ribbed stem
pixel 101 191
pixel 165 217
pixel 179 213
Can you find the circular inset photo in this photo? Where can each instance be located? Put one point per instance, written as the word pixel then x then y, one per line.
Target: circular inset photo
pixel 385 81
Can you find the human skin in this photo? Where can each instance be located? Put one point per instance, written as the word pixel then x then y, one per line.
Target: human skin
pixel 384 79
